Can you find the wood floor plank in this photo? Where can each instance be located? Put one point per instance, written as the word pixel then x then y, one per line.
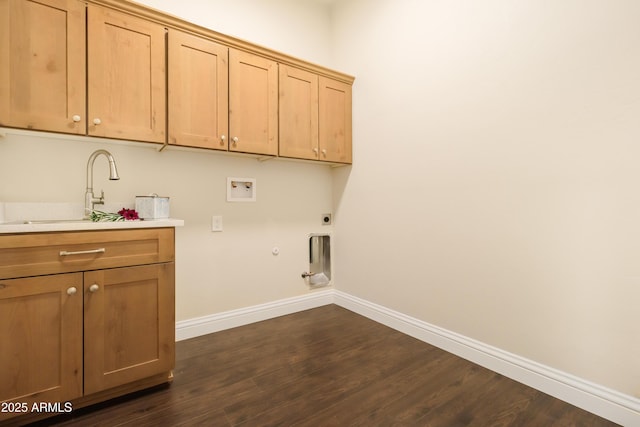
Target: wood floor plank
pixel 326 383
pixel 367 403
pixel 327 367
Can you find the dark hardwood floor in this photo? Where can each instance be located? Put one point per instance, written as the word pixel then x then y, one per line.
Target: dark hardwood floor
pixel 328 367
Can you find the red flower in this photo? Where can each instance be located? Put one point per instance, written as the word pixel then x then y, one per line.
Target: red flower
pixel 128 214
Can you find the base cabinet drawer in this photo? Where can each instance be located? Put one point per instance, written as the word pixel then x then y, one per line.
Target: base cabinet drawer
pixel 23 255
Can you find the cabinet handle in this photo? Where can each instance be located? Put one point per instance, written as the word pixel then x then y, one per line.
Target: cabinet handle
pixel 315 150
pixel 76 118
pixel 235 140
pixel 92 251
pixel 97 121
pixel 324 152
pixel 94 288
pixel 72 290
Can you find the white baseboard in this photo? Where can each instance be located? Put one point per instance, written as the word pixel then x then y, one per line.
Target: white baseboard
pixel 230 319
pixel 610 404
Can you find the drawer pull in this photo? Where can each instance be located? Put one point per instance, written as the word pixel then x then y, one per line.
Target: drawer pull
pixel 92 251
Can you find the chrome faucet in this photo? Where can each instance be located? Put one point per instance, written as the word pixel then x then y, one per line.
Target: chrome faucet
pixel 90 200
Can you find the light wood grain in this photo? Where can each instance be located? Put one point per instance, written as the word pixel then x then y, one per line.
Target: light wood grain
pixel 198 91
pixel 32 254
pixel 42 65
pixel 335 121
pixel 253 103
pixel 298 113
pixel 126 76
pixel 41 336
pixel 129 325
pixel 88 335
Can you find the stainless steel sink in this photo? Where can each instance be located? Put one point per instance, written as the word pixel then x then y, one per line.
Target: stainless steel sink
pixel 52 221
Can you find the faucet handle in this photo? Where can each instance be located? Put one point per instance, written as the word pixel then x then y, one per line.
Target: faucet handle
pixel 99 200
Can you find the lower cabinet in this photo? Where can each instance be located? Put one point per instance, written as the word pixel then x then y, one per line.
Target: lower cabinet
pixel 129 325
pixel 41 335
pixel 82 337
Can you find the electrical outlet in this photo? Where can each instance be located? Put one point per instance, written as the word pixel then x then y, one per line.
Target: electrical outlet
pixel 216 223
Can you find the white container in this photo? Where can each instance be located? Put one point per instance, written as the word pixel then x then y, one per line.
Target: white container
pixel 152 207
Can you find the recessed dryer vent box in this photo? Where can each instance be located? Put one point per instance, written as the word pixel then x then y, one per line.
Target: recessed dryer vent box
pixel 241 190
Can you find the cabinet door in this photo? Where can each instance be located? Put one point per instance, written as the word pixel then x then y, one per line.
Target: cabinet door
pixel 42 65
pixel 129 325
pixel 198 92
pixel 335 121
pixel 298 112
pixel 253 103
pixel 41 336
pixel 126 76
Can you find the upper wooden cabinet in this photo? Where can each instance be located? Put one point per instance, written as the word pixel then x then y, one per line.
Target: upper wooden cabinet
pixel 335 120
pixel 42 65
pixel 298 113
pixel 198 91
pixel 315 116
pixel 253 103
pixel 47 61
pixel 221 98
pixel 117 69
pixel 126 76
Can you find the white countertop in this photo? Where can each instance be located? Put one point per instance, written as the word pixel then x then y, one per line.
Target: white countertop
pixel 48 217
pixel 21 227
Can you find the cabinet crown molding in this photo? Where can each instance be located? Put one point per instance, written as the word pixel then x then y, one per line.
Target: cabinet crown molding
pixel 171 21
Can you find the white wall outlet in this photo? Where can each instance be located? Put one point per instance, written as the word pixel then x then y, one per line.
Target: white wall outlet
pixel 216 223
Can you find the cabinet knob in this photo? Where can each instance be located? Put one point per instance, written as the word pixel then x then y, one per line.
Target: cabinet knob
pixel 235 139
pixel 94 287
pixel 315 150
pixel 223 137
pixel 76 118
pixel 324 152
pixel 97 121
pixel 72 290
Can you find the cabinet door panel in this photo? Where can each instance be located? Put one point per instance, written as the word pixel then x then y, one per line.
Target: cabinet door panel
pixel 198 92
pixel 335 121
pixel 298 112
pixel 126 76
pixel 41 336
pixel 129 325
pixel 253 103
pixel 42 65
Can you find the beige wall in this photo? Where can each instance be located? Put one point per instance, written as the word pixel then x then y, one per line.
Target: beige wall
pixel 215 272
pixel 495 186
